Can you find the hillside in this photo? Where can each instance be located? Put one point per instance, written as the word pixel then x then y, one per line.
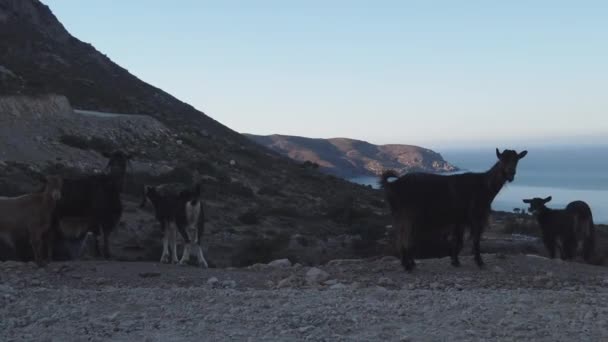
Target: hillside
pixel 63 102
pixel 350 158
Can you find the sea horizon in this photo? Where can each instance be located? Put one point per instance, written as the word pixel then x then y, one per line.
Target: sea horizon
pixel 567 174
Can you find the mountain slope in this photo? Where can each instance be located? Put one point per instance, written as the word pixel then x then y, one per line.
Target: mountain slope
pixel 258 205
pixel 351 158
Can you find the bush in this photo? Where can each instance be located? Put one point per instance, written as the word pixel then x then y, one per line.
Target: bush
pixel 239 189
pixel 284 211
pixel 249 217
pixel 519 225
pixel 270 191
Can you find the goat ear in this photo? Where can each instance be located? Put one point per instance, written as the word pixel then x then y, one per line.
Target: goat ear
pixel 548 199
pixel 498 154
pixel 528 201
pixel 522 154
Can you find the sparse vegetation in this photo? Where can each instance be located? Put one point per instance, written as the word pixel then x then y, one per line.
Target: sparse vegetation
pixel 249 217
pixel 92 143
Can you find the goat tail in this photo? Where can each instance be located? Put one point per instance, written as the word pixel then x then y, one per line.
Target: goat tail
pixel 385 176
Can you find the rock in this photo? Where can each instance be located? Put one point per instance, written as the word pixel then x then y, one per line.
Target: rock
pixel 435 286
pixel 149 274
pixel 389 259
pixel 112 317
pixel 281 263
pixel 316 276
pixel 498 269
pixel 343 262
pixel 101 281
pixel 338 286
pixel 385 281
pixel 287 282
pixel 258 267
pixel 330 282
pixel 305 329
pixel 229 284
pixel 213 282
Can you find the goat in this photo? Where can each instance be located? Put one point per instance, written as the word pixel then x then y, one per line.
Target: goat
pixel 29 217
pixel 94 198
pixel 430 201
pixel 585 228
pixel 564 228
pixel 174 203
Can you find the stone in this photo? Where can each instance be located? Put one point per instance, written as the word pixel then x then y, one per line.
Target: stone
pixel 338 286
pixel 316 276
pixel 229 284
pixel 287 282
pixel 149 274
pixel 385 281
pixel 213 282
pixel 343 262
pixel 281 263
pixel 498 269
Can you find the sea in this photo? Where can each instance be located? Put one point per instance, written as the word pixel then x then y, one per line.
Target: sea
pixel 566 173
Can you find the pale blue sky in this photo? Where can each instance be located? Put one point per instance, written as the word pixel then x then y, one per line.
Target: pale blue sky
pixel 433 73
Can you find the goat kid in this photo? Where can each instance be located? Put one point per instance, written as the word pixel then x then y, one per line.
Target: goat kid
pixel 29 217
pixel 178 207
pixel 565 229
pixel 429 201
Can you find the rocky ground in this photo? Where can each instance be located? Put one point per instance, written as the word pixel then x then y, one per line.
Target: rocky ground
pixel 516 297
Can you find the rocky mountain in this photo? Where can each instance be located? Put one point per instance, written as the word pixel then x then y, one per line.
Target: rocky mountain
pixel 350 158
pixel 62 102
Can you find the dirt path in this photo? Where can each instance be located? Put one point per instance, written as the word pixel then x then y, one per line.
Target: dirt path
pixel 515 298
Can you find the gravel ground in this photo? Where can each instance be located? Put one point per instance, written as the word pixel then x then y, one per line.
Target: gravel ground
pixel 515 298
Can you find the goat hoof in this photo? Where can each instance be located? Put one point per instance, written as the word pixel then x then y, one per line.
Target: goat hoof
pixel 183 263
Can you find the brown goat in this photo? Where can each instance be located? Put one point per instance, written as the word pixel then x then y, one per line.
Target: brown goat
pixel 29 216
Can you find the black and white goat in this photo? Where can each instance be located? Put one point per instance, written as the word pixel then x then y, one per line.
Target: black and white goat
pixel 177 206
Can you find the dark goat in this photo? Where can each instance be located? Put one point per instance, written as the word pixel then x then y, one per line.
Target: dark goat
pixel 429 201
pixel 585 228
pixel 565 228
pixel 94 199
pixel 177 204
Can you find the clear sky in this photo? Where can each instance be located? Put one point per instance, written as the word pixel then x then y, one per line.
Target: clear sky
pixel 433 73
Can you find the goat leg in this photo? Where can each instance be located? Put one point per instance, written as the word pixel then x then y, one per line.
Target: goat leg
pixel 173 238
pixel 37 247
pixel 457 241
pixel 187 244
pixel 164 258
pixel 106 244
pixel 197 243
pixel 476 230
